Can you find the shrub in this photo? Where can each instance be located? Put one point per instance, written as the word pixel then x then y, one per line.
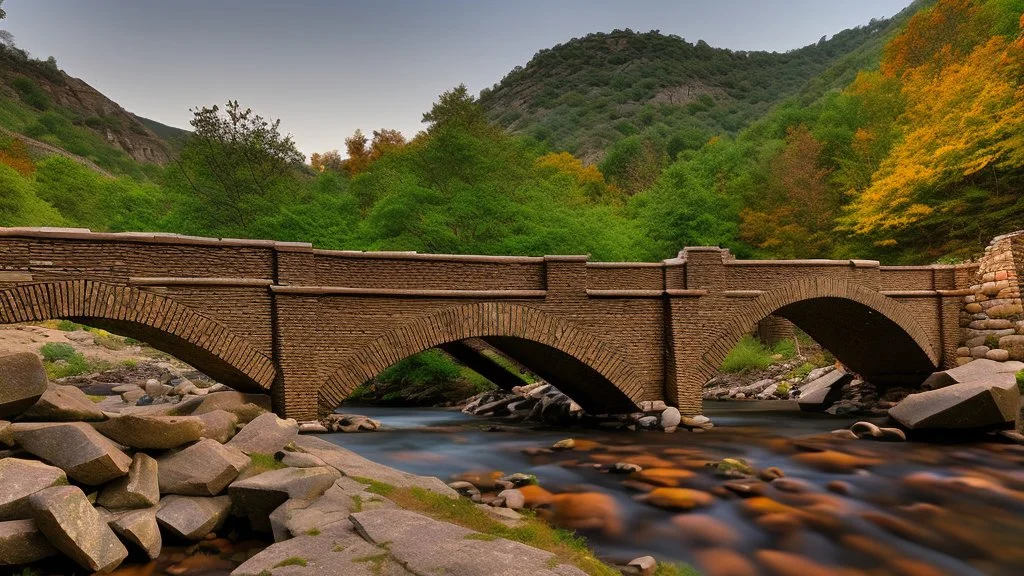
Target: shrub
pixel 1020 381
pixel 748 354
pixel 54 351
pixel 31 93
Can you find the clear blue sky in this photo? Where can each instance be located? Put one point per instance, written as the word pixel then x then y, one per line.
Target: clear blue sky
pixel 327 67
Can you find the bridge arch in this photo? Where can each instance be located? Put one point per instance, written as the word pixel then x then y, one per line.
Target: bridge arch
pixel 556 350
pixel 159 321
pixel 872 334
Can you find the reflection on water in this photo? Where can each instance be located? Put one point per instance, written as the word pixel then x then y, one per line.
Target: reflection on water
pixel 886 508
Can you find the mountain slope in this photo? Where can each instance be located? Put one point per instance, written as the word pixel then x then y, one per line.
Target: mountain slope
pixel 40 101
pixel 586 94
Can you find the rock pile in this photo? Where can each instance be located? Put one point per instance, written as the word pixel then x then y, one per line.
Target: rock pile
pixel 349 423
pixel 992 318
pixel 186 469
pixel 543 403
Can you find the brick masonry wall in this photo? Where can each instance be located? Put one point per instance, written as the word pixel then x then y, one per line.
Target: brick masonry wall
pixel 992 316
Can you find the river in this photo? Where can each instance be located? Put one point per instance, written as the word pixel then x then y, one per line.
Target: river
pixel 906 508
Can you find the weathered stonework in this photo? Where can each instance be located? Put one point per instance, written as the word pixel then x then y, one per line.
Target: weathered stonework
pixel 992 318
pixel 310 325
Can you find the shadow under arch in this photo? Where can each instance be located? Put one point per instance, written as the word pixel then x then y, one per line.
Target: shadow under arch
pixel 146 316
pixel 872 334
pixel 578 363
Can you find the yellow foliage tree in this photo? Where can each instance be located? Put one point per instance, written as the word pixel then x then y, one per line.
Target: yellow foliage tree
pixel 589 178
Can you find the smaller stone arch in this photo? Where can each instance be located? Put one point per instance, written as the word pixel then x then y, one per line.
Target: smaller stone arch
pixel 525 327
pixel 147 316
pixel 873 334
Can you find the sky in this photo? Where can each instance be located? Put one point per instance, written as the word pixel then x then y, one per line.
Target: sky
pixel 327 67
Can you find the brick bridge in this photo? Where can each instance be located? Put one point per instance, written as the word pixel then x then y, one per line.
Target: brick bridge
pixel 310 325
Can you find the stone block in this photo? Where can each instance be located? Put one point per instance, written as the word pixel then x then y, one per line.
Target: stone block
pixel 76 448
pixel 70 523
pixel 22 382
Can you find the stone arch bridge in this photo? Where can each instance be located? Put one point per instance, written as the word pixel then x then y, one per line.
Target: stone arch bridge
pixel 310 325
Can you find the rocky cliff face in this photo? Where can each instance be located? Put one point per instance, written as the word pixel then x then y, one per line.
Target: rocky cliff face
pixel 118 127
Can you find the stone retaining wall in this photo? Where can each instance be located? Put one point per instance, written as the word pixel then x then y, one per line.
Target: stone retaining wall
pixel 992 319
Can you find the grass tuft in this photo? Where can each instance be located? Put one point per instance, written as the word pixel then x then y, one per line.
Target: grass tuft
pixel 291 561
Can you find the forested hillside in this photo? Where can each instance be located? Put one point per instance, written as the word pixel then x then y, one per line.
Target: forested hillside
pixel 587 94
pixel 900 140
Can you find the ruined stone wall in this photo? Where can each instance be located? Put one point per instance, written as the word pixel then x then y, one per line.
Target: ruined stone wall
pixel 992 318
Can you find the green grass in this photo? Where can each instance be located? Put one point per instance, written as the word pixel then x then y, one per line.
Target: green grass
pixel 61 360
pixel 505 363
pixel 313 532
pixel 750 354
pixel 95 398
pixel 566 545
pixel 291 561
pixel 264 462
pixel 54 351
pixel 664 569
pixel 1020 381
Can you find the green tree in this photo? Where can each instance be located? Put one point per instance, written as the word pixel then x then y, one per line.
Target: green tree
pixel 235 165
pixel 456 108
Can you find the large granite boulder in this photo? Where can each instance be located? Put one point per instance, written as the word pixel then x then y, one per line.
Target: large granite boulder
pixel 427 546
pixel 818 395
pixel 6 433
pixel 219 425
pixel 193 517
pixel 202 469
pixel 342 554
pixel 974 370
pixel 258 496
pixel 63 404
pixel 266 434
pixel 20 479
pixel 21 542
pixel 151 432
pixel 139 489
pixel 140 528
pixel 67 519
pixel 246 406
pixel 22 382
pixel 76 448
pixel 992 402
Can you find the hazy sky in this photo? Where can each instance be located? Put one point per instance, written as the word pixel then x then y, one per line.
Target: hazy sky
pixel 328 67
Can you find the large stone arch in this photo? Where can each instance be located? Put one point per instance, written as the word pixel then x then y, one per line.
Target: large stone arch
pixel 146 316
pixel 612 384
pixel 872 334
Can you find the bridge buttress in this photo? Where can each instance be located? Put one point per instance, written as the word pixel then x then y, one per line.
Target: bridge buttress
pixel 295 320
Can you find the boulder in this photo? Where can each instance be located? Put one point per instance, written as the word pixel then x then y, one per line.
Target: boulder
pixel 191 517
pixel 6 433
pixel 202 469
pixel 21 542
pixel 328 513
pixel 258 496
pixel 265 434
pixel 63 404
pixel 68 520
pixel 219 425
pixel 971 371
pixel 139 489
pixel 76 448
pixel 427 546
pixel 140 528
pixel 990 402
pixel 22 382
pixel 670 417
pixel 151 432
pixel 823 392
pixel 20 479
pixel 245 406
pixel 346 554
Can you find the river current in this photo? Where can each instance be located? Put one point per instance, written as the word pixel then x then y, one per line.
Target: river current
pixel 906 508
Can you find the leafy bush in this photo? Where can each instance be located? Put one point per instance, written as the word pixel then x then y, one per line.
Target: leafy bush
pixel 31 93
pixel 430 368
pixel 54 351
pixel 751 354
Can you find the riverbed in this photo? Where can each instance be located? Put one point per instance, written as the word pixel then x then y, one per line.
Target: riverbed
pixel 905 508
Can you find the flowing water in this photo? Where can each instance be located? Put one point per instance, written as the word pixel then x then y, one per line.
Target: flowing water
pixel 905 508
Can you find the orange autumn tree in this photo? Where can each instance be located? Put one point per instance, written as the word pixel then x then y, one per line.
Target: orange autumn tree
pixel 963 119
pixel 17 157
pixel 589 178
pixel 330 160
pixel 797 209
